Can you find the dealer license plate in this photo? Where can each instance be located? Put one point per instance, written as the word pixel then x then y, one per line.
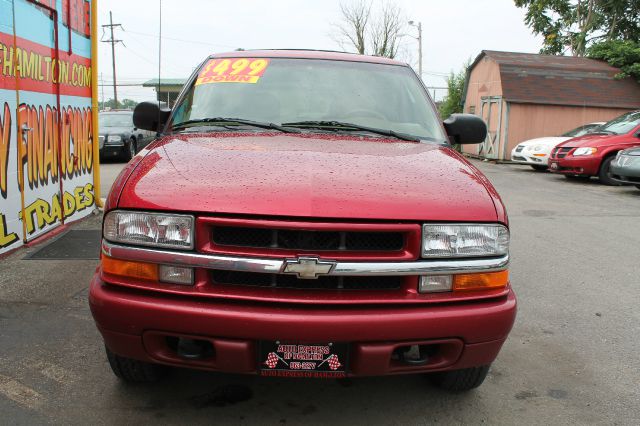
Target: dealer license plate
pixel 324 360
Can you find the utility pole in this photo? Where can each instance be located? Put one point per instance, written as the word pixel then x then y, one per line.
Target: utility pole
pixel 113 42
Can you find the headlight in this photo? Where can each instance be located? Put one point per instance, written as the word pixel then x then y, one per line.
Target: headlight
pixel 149 229
pixel 114 138
pixel 538 148
pixel 584 151
pixel 441 240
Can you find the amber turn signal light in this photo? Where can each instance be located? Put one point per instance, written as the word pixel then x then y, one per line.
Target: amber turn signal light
pixel 125 268
pixel 484 281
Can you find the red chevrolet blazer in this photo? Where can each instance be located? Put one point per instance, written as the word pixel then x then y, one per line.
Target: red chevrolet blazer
pixel 303 214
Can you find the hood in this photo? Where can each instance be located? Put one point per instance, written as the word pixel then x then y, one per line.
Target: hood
pixel 597 140
pixel 114 130
pixel 547 141
pixel 632 151
pixel 308 175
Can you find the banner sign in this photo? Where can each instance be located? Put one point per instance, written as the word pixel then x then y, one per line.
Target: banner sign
pixel 46 132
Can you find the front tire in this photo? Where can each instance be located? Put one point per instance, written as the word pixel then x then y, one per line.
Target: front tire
pixel 539 168
pixel 130 150
pixel 134 371
pixel 460 380
pixel 605 172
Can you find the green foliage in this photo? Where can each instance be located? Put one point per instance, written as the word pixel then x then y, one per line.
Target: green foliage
pixel 574 25
pixel 620 54
pixel 122 104
pixel 452 102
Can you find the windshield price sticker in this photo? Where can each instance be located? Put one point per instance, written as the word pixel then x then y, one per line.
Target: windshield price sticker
pixel 293 360
pixel 240 70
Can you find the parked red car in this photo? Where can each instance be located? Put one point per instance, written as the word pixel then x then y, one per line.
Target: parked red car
pixel 592 154
pixel 303 214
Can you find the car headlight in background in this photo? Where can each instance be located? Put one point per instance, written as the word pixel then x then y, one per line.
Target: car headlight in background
pixel 584 151
pixel 538 148
pixel 471 240
pixel 149 229
pixel 114 138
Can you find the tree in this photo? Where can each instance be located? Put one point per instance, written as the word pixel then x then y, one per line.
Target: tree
pixel 123 104
pixel 370 33
pixel 574 25
pixel 453 102
pixel 620 54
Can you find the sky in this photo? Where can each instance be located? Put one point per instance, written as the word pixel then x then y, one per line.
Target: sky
pixel 453 32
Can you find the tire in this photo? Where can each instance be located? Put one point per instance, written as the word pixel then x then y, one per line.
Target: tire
pixel 130 150
pixel 461 380
pixel 605 173
pixel 539 168
pixel 134 371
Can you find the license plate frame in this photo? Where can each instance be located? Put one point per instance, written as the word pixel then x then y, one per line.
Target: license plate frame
pixel 293 359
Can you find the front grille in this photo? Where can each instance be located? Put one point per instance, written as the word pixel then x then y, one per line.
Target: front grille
pixel 295 239
pixel 256 279
pixel 561 152
pixel 518 158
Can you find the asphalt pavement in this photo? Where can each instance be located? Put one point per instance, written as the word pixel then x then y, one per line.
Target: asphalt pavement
pixel 572 357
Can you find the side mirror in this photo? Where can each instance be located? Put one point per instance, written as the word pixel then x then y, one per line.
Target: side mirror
pixel 465 129
pixel 149 116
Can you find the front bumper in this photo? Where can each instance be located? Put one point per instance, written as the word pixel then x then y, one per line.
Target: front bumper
pixel 570 165
pixel 527 157
pixel 136 324
pixel 629 174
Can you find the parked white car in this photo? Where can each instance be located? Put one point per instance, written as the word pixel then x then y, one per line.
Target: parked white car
pixel 535 152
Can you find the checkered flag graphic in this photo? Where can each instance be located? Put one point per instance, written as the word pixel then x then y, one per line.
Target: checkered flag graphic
pixel 272 360
pixel 334 362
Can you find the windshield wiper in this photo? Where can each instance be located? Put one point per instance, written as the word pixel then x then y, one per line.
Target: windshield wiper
pixel 340 125
pixel 230 120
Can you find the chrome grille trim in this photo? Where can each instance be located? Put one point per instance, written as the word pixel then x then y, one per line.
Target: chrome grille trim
pixel 275 266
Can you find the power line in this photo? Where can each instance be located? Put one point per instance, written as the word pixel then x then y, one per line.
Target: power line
pixel 182 40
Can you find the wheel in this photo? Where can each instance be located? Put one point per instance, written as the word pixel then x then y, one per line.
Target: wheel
pixel 577 177
pixel 538 168
pixel 605 172
pixel 130 150
pixel 461 380
pixel 134 371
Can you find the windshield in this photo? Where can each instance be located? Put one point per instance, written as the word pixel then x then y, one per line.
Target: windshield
pixel 621 125
pixel 276 90
pixel 582 130
pixel 116 120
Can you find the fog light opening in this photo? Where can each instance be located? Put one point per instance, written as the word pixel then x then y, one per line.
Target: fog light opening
pixel 191 349
pixel 414 354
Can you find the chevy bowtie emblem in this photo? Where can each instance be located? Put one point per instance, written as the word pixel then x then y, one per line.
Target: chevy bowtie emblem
pixel 307 267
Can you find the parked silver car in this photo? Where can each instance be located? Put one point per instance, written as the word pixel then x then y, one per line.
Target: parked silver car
pixel 626 167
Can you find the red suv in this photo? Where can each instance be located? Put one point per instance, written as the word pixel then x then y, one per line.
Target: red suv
pixel 303 214
pixel 592 154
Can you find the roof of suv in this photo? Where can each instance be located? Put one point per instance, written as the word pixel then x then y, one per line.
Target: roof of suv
pixel 306 54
